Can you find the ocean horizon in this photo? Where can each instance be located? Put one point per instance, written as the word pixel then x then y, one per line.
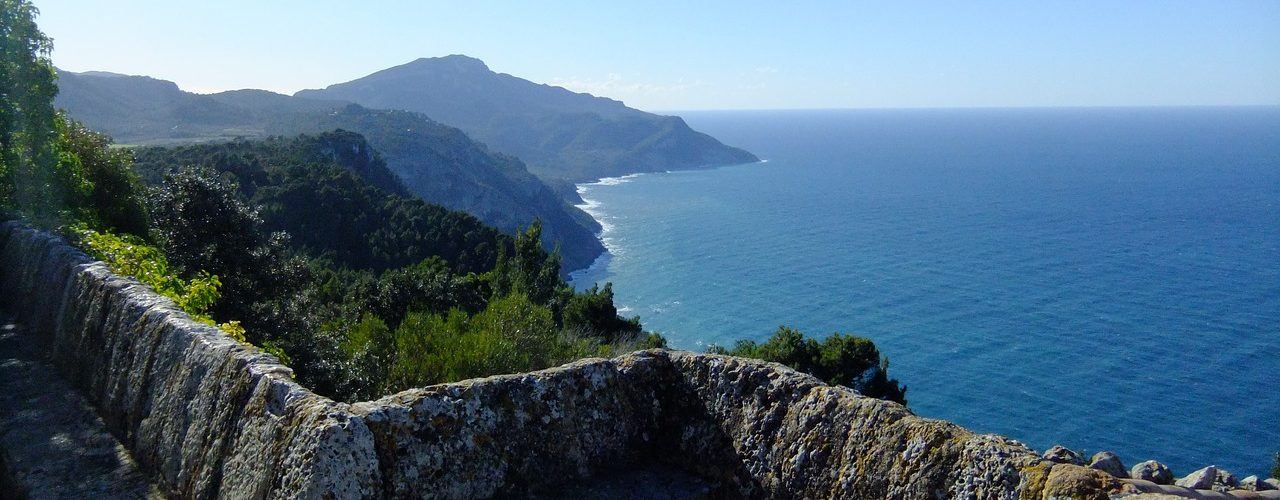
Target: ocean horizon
pixel 1101 278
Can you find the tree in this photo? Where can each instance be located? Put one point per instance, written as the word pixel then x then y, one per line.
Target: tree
pixel 529 270
pixel 370 348
pixel 204 226
pixel 33 180
pixel 592 312
pixel 840 359
pixel 114 200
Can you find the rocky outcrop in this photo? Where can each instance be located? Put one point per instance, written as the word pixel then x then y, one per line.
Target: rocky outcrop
pixel 1254 483
pixel 1153 471
pixel 1063 455
pixel 207 417
pixel 1108 462
pixel 1209 478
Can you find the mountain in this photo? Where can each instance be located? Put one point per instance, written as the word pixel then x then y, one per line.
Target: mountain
pixel 561 134
pixel 435 162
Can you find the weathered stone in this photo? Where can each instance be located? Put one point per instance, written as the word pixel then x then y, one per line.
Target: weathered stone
pixel 1108 462
pixel 1199 480
pixel 1210 478
pixel 1254 483
pixel 203 414
pixel 1077 482
pixel 1273 482
pixel 1153 471
pixel 1063 455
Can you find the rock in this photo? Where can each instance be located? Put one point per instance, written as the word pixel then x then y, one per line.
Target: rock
pixel 1063 455
pixel 1153 471
pixel 1074 481
pixel 1210 478
pixel 1199 480
pixel 1254 483
pixel 1108 462
pixel 1275 483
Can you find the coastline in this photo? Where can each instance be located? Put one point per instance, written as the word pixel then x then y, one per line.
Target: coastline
pixel 592 207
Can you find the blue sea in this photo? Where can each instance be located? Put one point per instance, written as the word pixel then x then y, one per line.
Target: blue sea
pixel 1103 278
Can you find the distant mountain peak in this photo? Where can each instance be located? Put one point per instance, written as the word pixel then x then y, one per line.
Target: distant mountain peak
pixel 455 60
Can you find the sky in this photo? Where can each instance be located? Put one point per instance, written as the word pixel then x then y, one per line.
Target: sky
pixel 693 55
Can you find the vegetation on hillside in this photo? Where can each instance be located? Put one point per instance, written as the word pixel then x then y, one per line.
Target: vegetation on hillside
pixel 435 162
pixel 336 198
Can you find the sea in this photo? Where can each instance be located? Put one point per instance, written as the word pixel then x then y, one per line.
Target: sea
pixel 1100 278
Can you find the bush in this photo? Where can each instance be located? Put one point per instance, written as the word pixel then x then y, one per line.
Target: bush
pixel 593 312
pixel 840 359
pixel 113 195
pixel 130 256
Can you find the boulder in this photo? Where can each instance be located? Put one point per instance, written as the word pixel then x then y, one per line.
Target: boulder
pixel 1153 471
pixel 1210 478
pixel 1275 483
pixel 1108 462
pixel 1063 455
pixel 1254 483
pixel 1073 481
pixel 1199 480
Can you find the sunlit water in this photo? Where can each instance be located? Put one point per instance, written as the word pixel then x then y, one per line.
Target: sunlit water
pixel 1107 279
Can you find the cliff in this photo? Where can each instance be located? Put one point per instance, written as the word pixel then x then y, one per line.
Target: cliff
pixel 207 417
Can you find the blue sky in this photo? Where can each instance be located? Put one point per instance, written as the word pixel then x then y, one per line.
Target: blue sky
pixel 686 55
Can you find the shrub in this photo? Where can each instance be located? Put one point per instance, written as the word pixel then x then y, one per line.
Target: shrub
pixel 130 256
pixel 840 359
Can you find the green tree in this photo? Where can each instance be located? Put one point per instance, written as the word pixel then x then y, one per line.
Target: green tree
pixel 840 359
pixel 203 225
pixel 593 312
pixel 113 196
pixel 530 270
pixel 370 349
pixel 29 180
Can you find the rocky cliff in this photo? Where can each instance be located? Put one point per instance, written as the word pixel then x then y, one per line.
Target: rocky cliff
pixel 208 417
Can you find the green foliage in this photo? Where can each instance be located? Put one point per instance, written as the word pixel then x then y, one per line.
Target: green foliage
pixel 110 195
pixel 334 195
pixel 37 178
pixel 530 270
pixel 204 226
pixel 839 359
pixel 593 312
pixel 511 335
pixel 434 348
pixel 130 256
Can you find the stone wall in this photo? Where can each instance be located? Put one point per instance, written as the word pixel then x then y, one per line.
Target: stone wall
pixel 209 417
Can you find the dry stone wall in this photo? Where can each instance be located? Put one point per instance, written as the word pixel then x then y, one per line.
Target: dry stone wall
pixel 209 417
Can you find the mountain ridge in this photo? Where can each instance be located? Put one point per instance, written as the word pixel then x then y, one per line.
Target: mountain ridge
pixel 559 133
